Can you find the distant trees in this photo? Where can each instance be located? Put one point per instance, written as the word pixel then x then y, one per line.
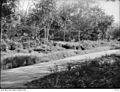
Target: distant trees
pixel 43 16
pixel 7 7
pixel 88 22
pixel 65 20
pixel 7 15
pixel 114 31
pixel 98 23
pixel 79 21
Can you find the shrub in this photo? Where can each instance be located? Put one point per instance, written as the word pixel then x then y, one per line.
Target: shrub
pixel 39 49
pixel 3 46
pixel 30 51
pixel 32 43
pixel 18 50
pixel 114 32
pixel 13 45
pixel 98 73
pixel 18 61
pixel 26 45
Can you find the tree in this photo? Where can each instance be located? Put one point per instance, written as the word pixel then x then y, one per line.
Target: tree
pixel 90 22
pixel 114 31
pixel 7 15
pixel 64 19
pixel 43 15
pixel 7 7
pixel 104 24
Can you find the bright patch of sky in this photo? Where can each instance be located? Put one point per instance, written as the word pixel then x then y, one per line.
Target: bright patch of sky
pixel 111 8
pixel 24 6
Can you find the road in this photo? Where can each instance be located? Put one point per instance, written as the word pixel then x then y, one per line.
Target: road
pixel 17 77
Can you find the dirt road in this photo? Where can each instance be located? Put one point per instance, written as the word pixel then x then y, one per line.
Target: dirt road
pixel 17 77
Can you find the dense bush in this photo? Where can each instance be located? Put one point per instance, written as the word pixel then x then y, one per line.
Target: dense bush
pixel 3 45
pixel 98 73
pixel 12 45
pixel 85 45
pixel 26 45
pixel 114 32
pixel 17 61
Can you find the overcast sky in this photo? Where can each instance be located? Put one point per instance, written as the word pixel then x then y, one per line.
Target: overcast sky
pixel 111 8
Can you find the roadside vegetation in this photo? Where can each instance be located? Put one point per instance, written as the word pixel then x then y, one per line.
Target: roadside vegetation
pixel 51 33
pixel 48 23
pixel 98 73
pixel 19 58
pixel 48 32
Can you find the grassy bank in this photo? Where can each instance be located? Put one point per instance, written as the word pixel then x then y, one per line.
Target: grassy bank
pixel 98 73
pixel 24 57
pixel 15 60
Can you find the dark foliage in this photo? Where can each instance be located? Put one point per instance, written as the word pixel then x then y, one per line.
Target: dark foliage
pixel 17 61
pixel 98 73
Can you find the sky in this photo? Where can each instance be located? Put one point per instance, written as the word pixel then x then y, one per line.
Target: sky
pixel 24 6
pixel 111 8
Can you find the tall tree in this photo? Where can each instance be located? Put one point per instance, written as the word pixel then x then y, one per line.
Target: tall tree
pixel 91 22
pixel 42 15
pixel 7 14
pixel 65 19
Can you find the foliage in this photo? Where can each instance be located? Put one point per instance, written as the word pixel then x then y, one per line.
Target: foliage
pixel 114 32
pixel 12 45
pixel 76 22
pixel 98 73
pixel 8 18
pixel 3 46
pixel 42 16
pixel 7 7
pixel 17 61
pixel 91 22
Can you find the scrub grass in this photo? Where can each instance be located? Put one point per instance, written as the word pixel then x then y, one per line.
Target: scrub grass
pixel 101 72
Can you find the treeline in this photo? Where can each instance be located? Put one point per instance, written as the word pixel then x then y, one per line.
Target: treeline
pixel 76 22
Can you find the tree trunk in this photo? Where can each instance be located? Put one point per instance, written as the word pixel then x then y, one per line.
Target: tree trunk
pixel 79 36
pixel 70 37
pixel 1 35
pixel 44 34
pixel 47 35
pixel 64 36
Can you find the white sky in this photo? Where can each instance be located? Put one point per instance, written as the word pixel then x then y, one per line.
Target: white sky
pixel 111 8
pixel 24 6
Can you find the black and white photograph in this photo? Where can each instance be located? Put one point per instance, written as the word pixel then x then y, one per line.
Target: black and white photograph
pixel 60 44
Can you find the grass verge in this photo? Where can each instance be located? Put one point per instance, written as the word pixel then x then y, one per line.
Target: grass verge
pixel 101 72
pixel 15 60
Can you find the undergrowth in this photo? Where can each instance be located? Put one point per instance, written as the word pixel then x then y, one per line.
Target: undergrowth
pixel 17 61
pixel 98 73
